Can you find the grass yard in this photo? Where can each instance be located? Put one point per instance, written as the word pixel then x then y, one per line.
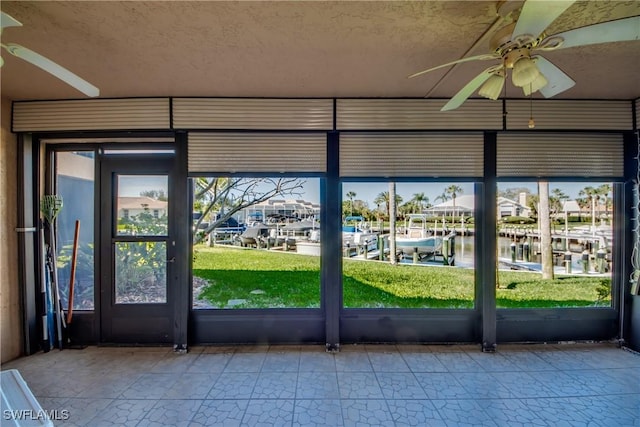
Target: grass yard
pixel 264 279
pixel 244 278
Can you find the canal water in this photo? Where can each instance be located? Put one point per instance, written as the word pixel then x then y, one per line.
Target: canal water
pixel 465 253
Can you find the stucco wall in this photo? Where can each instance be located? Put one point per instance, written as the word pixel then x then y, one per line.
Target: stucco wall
pixel 10 313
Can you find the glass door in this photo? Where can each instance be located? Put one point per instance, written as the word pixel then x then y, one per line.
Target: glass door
pixel 137 251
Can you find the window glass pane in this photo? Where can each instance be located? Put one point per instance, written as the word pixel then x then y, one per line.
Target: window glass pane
pixel 433 239
pixel 555 243
pixel 142 205
pixel 141 272
pixel 256 243
pixel 75 184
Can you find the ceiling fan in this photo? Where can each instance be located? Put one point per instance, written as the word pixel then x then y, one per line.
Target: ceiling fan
pixel 513 47
pixel 44 63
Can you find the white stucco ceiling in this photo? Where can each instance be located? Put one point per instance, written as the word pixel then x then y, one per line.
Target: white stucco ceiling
pixel 288 49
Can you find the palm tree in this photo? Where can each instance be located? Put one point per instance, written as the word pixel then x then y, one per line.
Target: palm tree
pixel 419 200
pixel 557 197
pixel 592 193
pixel 454 190
pixel 533 202
pixel 384 198
pixel 555 200
pixel 393 199
pixel 443 198
pixel 603 191
pixel 351 195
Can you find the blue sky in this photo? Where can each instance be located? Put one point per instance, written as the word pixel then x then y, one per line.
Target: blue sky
pixel 370 190
pixel 133 185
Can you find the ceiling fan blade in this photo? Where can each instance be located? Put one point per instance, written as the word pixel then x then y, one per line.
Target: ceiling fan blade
pixel 464 93
pixel 606 32
pixel 471 58
pixel 8 21
pixel 536 16
pixel 558 80
pixel 52 68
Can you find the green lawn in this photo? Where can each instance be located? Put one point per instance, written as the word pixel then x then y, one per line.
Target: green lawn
pixel 246 278
pixel 276 279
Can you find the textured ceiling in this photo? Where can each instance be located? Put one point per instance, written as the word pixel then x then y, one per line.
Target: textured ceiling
pixel 289 49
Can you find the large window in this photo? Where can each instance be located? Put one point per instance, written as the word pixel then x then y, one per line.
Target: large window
pixel 256 242
pixel 555 242
pixel 75 185
pixel 416 252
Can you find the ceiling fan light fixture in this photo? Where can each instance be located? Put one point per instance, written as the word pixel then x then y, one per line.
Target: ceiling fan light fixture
pixel 535 85
pixel 525 72
pixel 493 87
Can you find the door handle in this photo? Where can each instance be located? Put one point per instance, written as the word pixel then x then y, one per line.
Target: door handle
pixel 172 259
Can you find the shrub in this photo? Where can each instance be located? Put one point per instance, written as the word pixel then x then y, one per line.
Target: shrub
pixel 517 220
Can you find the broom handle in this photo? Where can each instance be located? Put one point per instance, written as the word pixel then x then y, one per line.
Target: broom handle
pixel 56 289
pixel 72 276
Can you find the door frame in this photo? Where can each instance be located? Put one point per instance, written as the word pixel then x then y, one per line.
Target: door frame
pixel 157 318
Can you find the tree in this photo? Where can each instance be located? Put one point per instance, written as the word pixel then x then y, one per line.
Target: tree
pixel 591 193
pixel 603 191
pixel 545 230
pixel 155 194
pixel 533 202
pixel 227 196
pixel 555 200
pixel 350 196
pixel 443 198
pixel 453 190
pixel 384 198
pixel 141 266
pixel 355 208
pixel 419 200
pixel 393 199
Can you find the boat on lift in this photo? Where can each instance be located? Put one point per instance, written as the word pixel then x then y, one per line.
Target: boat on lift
pixel 357 233
pixel 418 238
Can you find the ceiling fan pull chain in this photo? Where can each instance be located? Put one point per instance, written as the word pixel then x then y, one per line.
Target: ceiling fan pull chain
pixel 532 124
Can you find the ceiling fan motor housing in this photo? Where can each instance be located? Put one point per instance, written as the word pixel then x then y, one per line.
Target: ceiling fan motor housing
pixel 511 57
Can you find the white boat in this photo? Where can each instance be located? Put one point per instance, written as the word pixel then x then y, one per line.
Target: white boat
pixel 417 238
pixel 357 234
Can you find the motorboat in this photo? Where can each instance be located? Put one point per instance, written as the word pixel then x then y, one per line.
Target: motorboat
pixel 417 238
pixel 253 234
pixel 357 234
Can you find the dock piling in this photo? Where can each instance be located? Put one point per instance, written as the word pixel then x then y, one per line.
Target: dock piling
pixel 567 261
pixel 445 250
pixel 585 261
pixel 600 260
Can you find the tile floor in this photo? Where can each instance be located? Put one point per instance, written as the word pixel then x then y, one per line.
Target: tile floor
pixel 363 385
